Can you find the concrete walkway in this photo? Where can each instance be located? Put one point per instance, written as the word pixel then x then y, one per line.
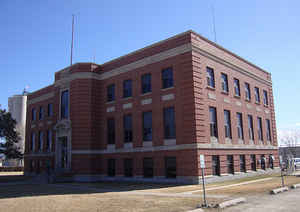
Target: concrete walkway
pixel 228 186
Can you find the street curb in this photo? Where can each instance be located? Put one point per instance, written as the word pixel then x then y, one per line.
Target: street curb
pixel 279 190
pixel 231 202
pixel 197 210
pixel 295 186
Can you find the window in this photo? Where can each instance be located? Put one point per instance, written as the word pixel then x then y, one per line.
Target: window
pixel 31 169
pixel 127 88
pixel 210 77
pixel 111 93
pixel 213 122
pixel 227 123
pixel 230 164
pixel 266 100
pixel 240 129
pixel 147 126
pixel 170 165
pixel 216 165
pixel 169 123
pixel 33 114
pixel 64 105
pixel 253 162
pixel 242 163
pixel 128 167
pixel 50 109
pixel 167 78
pixel 224 81
pixel 111 131
pixel 146 83
pixel 148 167
pixel 257 96
pixel 268 123
pixel 250 127
pixel 237 91
pixel 111 167
pixel 259 129
pixel 41 137
pixel 32 146
pixel 41 113
pixel 49 140
pixel 247 91
pixel 263 162
pixel 127 128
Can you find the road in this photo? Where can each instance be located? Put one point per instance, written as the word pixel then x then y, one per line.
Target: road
pixel 288 201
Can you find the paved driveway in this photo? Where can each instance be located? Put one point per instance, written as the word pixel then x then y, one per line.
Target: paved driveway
pixel 288 201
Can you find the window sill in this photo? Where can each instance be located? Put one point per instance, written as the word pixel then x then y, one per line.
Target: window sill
pixel 258 103
pixel 127 98
pixel 169 88
pixel 236 96
pixel 225 93
pixel 266 105
pixel 111 102
pixel 210 88
pixel 145 94
pixel 147 143
pixel 248 100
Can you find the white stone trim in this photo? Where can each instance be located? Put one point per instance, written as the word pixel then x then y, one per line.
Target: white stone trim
pixel 111 146
pixel 168 97
pixel 199 146
pixel 110 109
pixel 238 103
pixel 127 106
pixel 249 106
pixel 40 98
pixel 128 145
pixel 226 100
pixel 146 101
pixel 170 142
pixel 147 144
pixel 212 96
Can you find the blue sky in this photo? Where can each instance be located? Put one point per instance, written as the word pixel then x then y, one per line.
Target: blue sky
pixel 35 38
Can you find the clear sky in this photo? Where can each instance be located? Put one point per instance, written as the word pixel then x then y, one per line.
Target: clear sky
pixel 36 35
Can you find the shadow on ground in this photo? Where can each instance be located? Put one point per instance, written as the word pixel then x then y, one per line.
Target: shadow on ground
pixel 22 186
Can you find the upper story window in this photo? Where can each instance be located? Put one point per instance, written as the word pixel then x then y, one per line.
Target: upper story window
pixel 64 105
pixel 128 128
pixel 32 145
pixel 33 114
pixel 240 129
pixel 237 91
pixel 247 91
pixel 259 129
pixel 50 109
pixel 213 122
pixel 257 96
pixel 41 113
pixel 147 126
pixel 49 140
pixel 167 78
pixel 169 123
pixel 210 77
pixel 266 100
pixel 111 131
pixel 111 93
pixel 224 82
pixel 268 123
pixel 250 127
pixel 127 88
pixel 227 124
pixel 146 83
pixel 40 143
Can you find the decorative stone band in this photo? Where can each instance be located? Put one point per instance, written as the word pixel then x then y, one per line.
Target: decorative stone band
pixel 40 154
pixel 178 147
pixel 41 98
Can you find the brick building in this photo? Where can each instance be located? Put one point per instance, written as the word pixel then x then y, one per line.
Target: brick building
pixel 151 113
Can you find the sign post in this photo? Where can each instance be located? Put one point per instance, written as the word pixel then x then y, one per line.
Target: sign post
pixel 281 162
pixel 202 166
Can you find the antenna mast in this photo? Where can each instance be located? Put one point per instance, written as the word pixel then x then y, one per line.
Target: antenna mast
pixel 214 25
pixel 72 39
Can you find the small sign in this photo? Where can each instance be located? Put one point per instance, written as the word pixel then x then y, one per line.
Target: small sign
pixel 280 159
pixel 202 162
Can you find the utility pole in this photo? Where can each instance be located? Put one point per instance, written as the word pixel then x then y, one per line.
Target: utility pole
pixel 72 40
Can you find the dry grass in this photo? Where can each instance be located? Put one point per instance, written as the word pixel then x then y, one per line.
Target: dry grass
pixel 65 198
